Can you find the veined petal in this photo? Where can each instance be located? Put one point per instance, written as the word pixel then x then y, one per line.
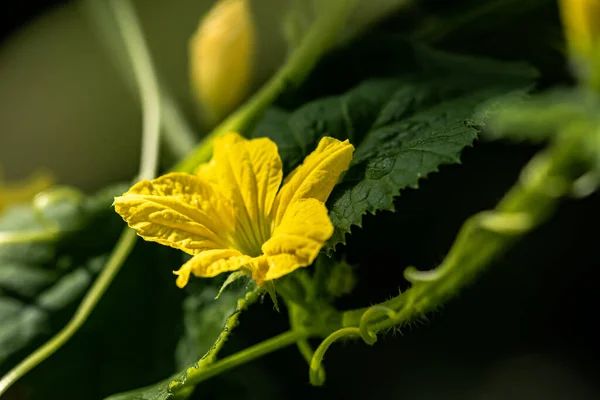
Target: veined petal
pixel 297 240
pixel 317 175
pixel 249 173
pixel 178 210
pixel 211 263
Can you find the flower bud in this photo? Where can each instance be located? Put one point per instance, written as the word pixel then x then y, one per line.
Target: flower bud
pixel 581 20
pixel 221 58
pixel 341 280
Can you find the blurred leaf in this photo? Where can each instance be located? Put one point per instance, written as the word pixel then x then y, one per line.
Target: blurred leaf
pixel 41 278
pixel 403 126
pixel 129 339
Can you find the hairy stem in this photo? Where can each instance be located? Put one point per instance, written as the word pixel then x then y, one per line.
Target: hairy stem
pixel 242 357
pixel 484 236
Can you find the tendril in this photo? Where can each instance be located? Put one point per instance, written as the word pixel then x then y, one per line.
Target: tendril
pixel 317 378
pixel 317 372
pixel 370 337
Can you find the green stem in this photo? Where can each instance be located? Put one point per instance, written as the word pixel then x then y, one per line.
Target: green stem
pixel 118 256
pixel 148 88
pixel 482 238
pixel 147 85
pixel 320 38
pixel 177 134
pixel 242 357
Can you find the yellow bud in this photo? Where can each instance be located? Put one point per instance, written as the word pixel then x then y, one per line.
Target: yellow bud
pixel 221 58
pixel 581 20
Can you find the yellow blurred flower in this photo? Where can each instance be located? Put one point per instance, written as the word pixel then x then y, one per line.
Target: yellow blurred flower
pixel 581 20
pixel 221 58
pixel 232 214
pixel 23 191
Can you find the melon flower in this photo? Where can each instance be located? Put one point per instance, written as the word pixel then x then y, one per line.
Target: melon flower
pixel 234 214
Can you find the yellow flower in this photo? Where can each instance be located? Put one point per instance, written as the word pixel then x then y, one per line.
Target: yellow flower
pixel 232 213
pixel 221 58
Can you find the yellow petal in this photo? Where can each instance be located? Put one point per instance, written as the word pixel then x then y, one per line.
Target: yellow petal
pixel 178 210
pixel 317 175
pixel 296 242
pixel 249 173
pixel 221 144
pixel 221 58
pixel 210 263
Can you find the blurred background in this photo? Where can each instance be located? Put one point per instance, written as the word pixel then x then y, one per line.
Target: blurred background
pixel 526 330
pixel 64 104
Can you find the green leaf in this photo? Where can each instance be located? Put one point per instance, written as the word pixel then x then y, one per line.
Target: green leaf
pixel 208 324
pixel 403 127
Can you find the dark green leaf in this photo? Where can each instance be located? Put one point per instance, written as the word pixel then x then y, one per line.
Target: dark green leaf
pixel 403 127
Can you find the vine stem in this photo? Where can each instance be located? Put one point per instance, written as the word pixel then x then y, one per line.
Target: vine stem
pixel 543 181
pixel 148 88
pixel 319 39
pixel 550 175
pixel 268 346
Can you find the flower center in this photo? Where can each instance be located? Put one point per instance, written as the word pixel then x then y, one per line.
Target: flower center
pixel 251 235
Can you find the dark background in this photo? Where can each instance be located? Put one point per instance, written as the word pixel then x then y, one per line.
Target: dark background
pixel 525 330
